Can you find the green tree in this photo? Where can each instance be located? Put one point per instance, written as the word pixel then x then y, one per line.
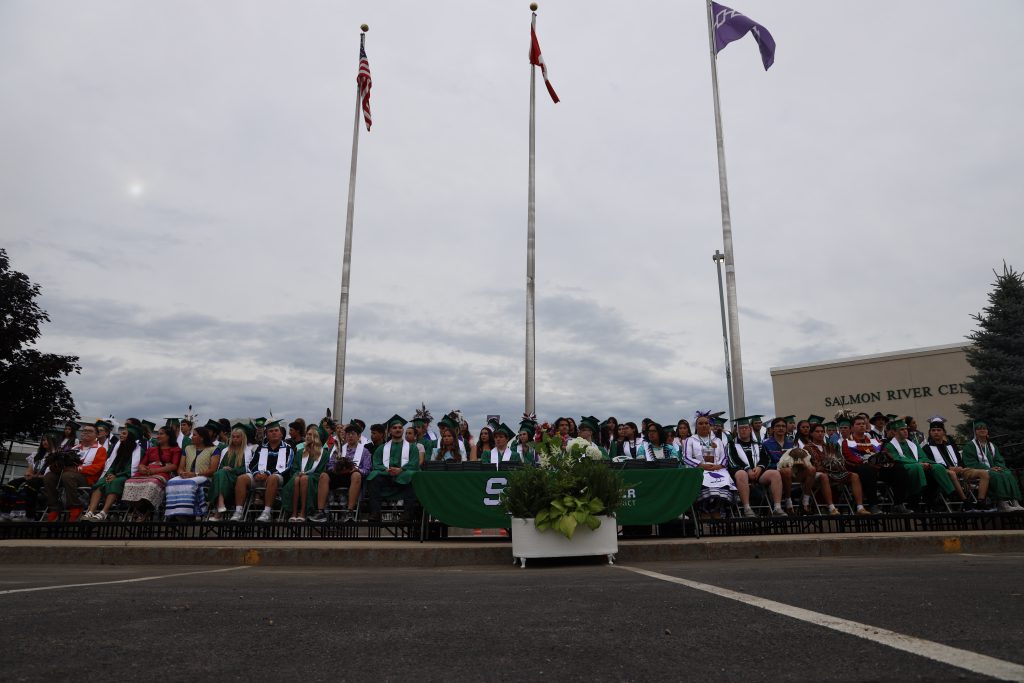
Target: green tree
pixel 33 395
pixel 997 386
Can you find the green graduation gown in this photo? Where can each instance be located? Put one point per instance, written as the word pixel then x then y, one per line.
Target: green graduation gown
pixel 121 471
pixel 408 470
pixel 313 468
pixel 912 457
pixel 486 457
pixel 1002 485
pixel 223 481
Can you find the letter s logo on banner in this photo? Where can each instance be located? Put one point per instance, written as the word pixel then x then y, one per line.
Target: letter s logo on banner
pixel 494 487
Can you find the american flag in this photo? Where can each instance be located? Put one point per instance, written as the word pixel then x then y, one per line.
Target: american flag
pixel 364 81
pixel 537 59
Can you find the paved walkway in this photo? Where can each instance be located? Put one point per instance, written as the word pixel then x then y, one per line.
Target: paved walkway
pixel 493 551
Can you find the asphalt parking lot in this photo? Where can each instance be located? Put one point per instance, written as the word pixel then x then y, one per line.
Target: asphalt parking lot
pixel 554 620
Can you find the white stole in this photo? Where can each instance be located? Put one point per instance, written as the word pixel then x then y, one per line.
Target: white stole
pixel 498 458
pixel 949 450
pixel 982 452
pixel 88 454
pixel 405 453
pixel 755 453
pixel 282 459
pixel 913 448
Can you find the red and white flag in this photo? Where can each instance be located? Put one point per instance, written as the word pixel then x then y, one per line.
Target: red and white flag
pixel 364 81
pixel 537 59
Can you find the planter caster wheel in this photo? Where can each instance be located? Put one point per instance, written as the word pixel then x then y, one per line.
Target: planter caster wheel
pixel 611 559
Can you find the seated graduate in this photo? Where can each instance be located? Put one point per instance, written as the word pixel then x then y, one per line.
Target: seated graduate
pixel 980 453
pixel 776 443
pixel 234 461
pixel 588 430
pixel 309 475
pixel 186 493
pixel 394 463
pixel 450 448
pixel 122 464
pixel 145 490
pixel 703 450
pixel 625 444
pixel 828 461
pixel 609 430
pixel 104 436
pixel 22 495
pixel 924 474
pixel 803 432
pixel 524 440
pixel 70 436
pixel 807 474
pixel 939 449
pixel 502 451
pixel 71 469
pixel 749 465
pixel 861 451
pixel 681 434
pixel 270 466
pixel 347 467
pixel 654 447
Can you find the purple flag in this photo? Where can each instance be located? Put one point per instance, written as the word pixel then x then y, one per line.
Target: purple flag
pixel 730 25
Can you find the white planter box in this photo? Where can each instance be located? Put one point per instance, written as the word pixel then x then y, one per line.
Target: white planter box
pixel 527 542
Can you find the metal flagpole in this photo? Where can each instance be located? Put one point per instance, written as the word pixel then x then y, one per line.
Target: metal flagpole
pixel 730 261
pixel 346 266
pixel 718 257
pixel 531 337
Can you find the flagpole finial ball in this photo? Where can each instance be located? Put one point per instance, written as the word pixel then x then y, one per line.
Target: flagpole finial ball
pixel 365 28
pixel 533 6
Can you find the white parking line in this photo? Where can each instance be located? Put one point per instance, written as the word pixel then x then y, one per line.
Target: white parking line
pixel 105 583
pixel 962 659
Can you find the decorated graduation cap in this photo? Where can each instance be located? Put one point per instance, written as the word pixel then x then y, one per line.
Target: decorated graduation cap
pixel 719 420
pixel 528 425
pixel 395 420
pixel 260 421
pixel 590 422
pixel 503 428
pixel 449 423
pixel 815 419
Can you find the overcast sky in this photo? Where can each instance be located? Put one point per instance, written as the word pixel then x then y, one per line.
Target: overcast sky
pixel 174 176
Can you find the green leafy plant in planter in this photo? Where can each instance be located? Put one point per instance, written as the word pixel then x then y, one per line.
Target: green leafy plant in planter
pixel 569 489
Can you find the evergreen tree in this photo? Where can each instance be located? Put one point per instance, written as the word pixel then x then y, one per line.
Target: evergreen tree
pixel 33 395
pixel 997 386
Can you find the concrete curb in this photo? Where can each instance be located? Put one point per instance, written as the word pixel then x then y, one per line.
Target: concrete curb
pixel 488 553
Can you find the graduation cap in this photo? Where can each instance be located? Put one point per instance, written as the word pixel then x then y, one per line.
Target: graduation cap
pixel 980 424
pixel 448 423
pixel 590 422
pixel 395 420
pixel 247 427
pixel 890 417
pixel 213 425
pixel 105 424
pixel 937 420
pixel 260 421
pixel 829 425
pixel 150 426
pixel 897 424
pixel 134 431
pixel 274 423
pixel 359 424
pixel 844 422
pixel 719 419
pixel 755 418
pixel 742 421
pixel 503 428
pixel 790 418
pixel 528 425
pixel 322 433
pixel 877 416
pixel 816 419
pixel 172 422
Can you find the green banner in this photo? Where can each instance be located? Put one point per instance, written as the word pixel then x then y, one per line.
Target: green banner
pixel 469 500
